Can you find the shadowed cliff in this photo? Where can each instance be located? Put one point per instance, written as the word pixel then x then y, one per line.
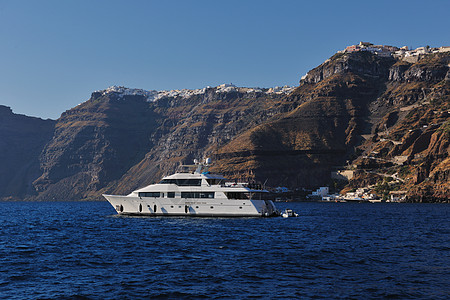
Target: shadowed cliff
pixel 22 139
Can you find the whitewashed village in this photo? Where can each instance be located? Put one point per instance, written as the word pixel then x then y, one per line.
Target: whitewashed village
pixel 403 53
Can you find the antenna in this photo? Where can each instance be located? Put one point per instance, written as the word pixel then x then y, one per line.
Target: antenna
pixel 264 184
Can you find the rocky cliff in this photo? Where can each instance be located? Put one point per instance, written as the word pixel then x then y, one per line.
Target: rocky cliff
pixel 94 144
pixel 22 139
pixel 195 127
pixel 408 148
pixel 318 125
pixel 380 116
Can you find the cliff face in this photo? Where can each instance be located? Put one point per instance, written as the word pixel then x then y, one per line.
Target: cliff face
pixel 355 109
pixel 118 141
pixel 197 127
pixel 362 63
pixel 94 144
pixel 410 142
pixel 322 121
pixel 22 138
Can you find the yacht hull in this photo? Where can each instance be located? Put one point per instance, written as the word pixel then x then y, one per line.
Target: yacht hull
pixel 146 206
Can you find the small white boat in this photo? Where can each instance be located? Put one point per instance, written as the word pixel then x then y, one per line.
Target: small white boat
pixel 289 213
pixel 194 191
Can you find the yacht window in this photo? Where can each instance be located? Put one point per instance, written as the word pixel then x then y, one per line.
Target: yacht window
pixel 197 195
pixel 182 182
pixel 171 195
pixel 214 181
pixel 190 182
pixel 149 194
pixel 247 195
pixel 207 195
pixel 237 195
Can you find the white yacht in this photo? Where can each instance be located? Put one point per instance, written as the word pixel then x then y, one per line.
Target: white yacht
pixel 194 191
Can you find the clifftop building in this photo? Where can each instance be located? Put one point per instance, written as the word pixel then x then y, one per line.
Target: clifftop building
pixel 382 50
pixel 402 53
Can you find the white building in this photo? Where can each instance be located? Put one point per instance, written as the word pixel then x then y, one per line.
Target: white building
pixel 322 191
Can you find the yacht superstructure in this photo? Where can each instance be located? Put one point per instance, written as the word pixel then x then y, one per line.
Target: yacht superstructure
pixel 194 191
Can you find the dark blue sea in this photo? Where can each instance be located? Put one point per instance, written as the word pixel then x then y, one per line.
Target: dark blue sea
pixel 82 250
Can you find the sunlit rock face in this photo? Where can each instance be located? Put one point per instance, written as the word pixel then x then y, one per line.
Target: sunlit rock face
pixel 356 109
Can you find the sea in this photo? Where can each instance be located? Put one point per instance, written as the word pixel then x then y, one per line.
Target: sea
pixel 84 250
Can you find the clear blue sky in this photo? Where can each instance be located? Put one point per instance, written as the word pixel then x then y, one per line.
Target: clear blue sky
pixel 53 54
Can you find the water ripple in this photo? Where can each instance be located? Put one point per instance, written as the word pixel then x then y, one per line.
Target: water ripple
pixel 56 250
